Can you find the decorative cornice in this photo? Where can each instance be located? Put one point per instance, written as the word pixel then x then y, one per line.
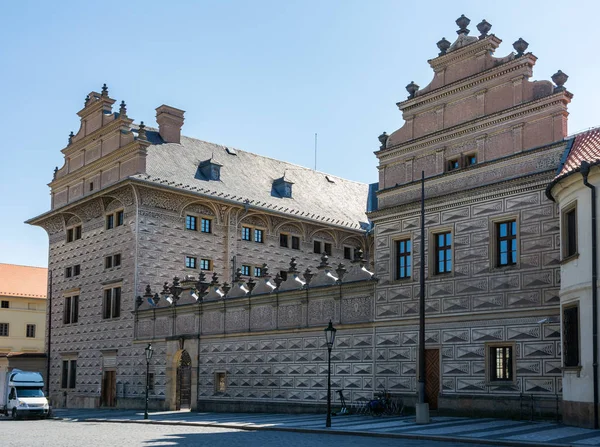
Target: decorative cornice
pixel 108 128
pixel 467 83
pixel 531 182
pixel 476 124
pixel 491 43
pixel 130 148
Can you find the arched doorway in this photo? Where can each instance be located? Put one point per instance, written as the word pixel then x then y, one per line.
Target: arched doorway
pixel 183 398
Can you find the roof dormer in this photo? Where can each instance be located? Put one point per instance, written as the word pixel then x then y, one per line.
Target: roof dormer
pixel 282 187
pixel 209 170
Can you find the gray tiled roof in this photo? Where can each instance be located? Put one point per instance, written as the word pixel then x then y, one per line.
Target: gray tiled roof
pixel 247 176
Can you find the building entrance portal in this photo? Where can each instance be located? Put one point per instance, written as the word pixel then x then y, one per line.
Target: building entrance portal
pixel 432 377
pixel 109 389
pixel 183 398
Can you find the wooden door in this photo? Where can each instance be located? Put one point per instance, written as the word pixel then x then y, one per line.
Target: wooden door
pixel 432 377
pixel 184 382
pixel 109 389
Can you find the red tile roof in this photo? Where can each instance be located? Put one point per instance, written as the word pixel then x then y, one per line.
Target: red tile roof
pixel 586 146
pixel 23 281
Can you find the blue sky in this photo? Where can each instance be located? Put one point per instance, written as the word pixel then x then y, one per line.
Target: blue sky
pixel 262 76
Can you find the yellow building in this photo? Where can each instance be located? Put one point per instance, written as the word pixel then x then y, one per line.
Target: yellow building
pixel 22 308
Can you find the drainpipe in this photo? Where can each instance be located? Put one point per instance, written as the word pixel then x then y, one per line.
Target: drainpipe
pixel 585 170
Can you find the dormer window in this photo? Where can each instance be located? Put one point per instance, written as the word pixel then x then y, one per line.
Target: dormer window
pixel 282 187
pixel 210 170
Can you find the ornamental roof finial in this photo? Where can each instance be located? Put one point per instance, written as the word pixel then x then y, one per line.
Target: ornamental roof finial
pixel 104 90
pixel 462 23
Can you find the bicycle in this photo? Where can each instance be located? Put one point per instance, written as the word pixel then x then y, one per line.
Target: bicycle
pixel 384 404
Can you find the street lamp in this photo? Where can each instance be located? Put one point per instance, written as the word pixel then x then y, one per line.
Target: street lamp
pixel 149 352
pixel 330 338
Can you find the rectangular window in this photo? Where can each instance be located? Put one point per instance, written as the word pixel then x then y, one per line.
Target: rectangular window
pixel 569 222
pixel 453 164
pixel 77 232
pixel 501 363
pixel 258 236
pixel 328 248
pixel 204 264
pixel 3 329
pixel 220 382
pixel 443 252
pixel 68 272
pixel 108 262
pixel 403 259
pixel 31 331
pixel 71 309
pixel 506 243
pixel 120 218
pixel 317 247
pixel 258 272
pixel 471 159
pixel 91 186
pixel 110 221
pixel 191 223
pixel 245 269
pixel 4 304
pixel 76 270
pixel 70 235
pixel 112 303
pixel 69 373
pixel 190 262
pixel 246 234
pixel 570 349
pixel 283 240
pixel 348 253
pixel 206 225
pixel 117 260
pixel 295 243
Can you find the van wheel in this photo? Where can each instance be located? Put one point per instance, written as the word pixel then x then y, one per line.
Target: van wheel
pixel 15 415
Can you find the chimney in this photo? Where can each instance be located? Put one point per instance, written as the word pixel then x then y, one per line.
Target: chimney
pixel 170 121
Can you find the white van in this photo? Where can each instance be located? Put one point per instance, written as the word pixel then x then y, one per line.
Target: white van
pixel 23 395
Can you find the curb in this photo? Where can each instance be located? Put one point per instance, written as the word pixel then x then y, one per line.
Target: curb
pixel 466 440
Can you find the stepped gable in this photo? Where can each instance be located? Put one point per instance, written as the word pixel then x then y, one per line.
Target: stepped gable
pixel 478 109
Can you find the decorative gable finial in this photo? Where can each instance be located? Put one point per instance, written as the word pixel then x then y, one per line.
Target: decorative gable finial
pixel 412 89
pixel 443 46
pixel 55 172
pixel 520 47
pixel 484 28
pixel 123 109
pixel 87 99
pixel 142 131
pixel 462 23
pixel 383 140
pixel 71 135
pixel 559 78
pixel 104 91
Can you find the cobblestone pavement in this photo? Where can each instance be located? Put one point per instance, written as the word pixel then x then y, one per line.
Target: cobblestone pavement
pixel 55 433
pixel 484 431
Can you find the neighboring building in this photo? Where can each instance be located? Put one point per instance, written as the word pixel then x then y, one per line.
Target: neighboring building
pixel 133 206
pixel 23 292
pixel 488 141
pixel 579 338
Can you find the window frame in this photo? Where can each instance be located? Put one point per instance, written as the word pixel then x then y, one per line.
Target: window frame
pixel 509 238
pixel 28 332
pixel 77 270
pixel 74 233
pixel 451 162
pixel 245 269
pixel 407 256
pixel 246 233
pixel 111 302
pixel 114 219
pixel 220 385
pixel 259 235
pixel 4 333
pixel 295 241
pixel 257 271
pixel 4 304
pixel 203 261
pixel 71 309
pixel 568 307
pixel 190 262
pixel 468 156
pixel 433 249
pixel 208 222
pixel 568 252
pixel 286 237
pixel 191 222
pixel 68 272
pixel 68 373
pixel 490 369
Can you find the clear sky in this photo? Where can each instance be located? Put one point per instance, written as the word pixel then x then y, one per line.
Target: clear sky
pixel 262 76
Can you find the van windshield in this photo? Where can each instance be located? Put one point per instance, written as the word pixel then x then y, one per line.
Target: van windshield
pixel 29 392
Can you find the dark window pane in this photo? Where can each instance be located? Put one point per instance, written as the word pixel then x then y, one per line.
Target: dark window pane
pixel 120 218
pixel 64 382
pixel 258 236
pixel 246 233
pixel 295 243
pixel 110 221
pixel 328 248
pixel 206 225
pixel 571 233
pixel 72 373
pixel 571 336
pixel 317 246
pixel 283 240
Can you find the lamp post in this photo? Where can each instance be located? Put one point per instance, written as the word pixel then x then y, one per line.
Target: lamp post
pixel 149 352
pixel 330 337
